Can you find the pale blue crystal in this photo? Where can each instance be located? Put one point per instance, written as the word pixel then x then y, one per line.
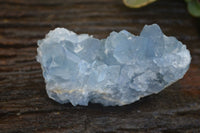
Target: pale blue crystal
pixel 114 71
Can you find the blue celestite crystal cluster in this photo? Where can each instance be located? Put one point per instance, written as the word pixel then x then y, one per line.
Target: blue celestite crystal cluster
pixel 117 70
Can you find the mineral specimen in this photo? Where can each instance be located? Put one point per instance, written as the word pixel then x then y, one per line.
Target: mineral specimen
pixel 117 70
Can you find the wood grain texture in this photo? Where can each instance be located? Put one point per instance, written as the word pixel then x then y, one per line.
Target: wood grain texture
pixel 24 104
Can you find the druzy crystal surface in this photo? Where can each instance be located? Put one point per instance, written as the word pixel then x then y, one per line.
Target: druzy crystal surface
pixel 117 70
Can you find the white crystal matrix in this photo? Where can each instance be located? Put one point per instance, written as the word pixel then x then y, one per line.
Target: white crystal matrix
pixel 117 70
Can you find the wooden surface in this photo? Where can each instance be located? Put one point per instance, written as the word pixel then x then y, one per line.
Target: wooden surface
pixel 24 104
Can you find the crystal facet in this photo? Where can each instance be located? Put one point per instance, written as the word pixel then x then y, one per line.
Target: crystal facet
pixel 117 70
